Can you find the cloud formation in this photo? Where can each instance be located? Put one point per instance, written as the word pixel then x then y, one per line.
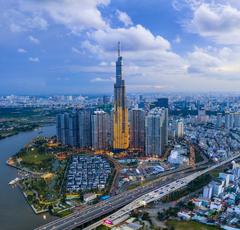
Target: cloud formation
pixel 217 21
pixel 21 50
pixel 33 39
pixel 124 18
pixel 79 39
pixel 75 15
pixel 33 59
pixel 217 63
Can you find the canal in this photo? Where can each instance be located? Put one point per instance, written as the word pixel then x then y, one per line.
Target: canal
pixel 15 213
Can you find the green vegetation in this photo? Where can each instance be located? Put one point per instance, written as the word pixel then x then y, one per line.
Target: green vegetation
pixel 38 156
pixel 27 112
pixel 15 120
pixel 43 187
pixel 64 213
pixel 11 127
pixel 189 225
pixel 102 227
pixel 46 163
pixel 172 211
pixel 34 157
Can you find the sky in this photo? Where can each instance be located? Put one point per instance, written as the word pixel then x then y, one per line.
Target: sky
pixel 70 46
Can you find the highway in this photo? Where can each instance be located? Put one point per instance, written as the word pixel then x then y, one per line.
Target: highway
pixel 129 200
pixel 85 215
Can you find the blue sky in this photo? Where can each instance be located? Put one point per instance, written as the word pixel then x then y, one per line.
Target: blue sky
pixel 69 46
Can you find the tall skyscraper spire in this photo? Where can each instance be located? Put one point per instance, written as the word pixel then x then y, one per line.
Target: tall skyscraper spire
pixel 119 49
pixel 121 130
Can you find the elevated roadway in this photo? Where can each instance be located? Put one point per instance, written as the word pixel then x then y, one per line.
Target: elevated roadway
pixel 128 201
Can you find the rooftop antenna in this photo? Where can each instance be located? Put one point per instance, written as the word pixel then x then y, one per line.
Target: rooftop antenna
pixel 119 49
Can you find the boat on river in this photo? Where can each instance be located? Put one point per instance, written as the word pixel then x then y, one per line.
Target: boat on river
pixel 12 182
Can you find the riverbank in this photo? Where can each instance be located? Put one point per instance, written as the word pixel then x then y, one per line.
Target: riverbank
pixel 16 131
pixel 10 164
pixel 15 212
pixel 45 173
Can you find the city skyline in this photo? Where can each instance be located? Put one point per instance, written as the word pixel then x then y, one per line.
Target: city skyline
pixel 169 46
pixel 120 114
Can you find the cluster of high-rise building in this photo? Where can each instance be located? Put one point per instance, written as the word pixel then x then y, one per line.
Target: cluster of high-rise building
pixel 75 129
pixel 232 120
pixel 156 129
pixel 120 129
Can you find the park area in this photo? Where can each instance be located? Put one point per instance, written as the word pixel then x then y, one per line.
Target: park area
pixel 189 225
pixel 43 185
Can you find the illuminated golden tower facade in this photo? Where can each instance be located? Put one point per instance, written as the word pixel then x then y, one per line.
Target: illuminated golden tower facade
pixel 120 119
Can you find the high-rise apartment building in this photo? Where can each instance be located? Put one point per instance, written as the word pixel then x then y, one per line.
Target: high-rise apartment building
pixel 229 120
pixel 74 129
pixel 236 117
pixel 59 127
pixel 219 120
pixel 180 128
pixel 156 132
pixel 100 130
pixel 62 128
pixel 120 119
pixel 137 128
pixel 84 128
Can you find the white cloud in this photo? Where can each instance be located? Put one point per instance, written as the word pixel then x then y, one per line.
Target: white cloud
pixel 217 21
pixel 132 38
pixel 33 39
pixel 150 64
pixel 18 21
pixel 177 40
pixel 124 18
pixel 22 15
pixel 21 50
pixel 222 63
pixel 148 59
pixel 33 59
pixel 103 63
pixel 101 79
pixel 75 15
pixel 183 4
pixel 76 50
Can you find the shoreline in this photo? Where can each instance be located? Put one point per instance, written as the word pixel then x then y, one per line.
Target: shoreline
pixel 23 192
pixel 31 205
pixel 28 130
pixel 35 211
pixel 18 214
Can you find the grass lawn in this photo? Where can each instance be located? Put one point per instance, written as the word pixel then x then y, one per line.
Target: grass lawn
pixel 189 225
pixel 102 227
pixel 64 213
pixel 34 157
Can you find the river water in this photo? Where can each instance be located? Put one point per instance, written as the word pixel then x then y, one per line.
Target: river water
pixel 15 213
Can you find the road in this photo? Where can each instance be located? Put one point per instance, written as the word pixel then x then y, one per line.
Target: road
pixel 129 200
pixel 157 194
pixel 90 213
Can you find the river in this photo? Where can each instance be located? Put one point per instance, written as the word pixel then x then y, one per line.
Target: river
pixel 15 213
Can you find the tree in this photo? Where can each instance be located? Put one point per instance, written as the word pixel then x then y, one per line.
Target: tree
pixel 190 205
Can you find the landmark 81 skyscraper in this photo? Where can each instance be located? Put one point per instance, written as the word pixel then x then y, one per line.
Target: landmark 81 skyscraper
pixel 120 120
